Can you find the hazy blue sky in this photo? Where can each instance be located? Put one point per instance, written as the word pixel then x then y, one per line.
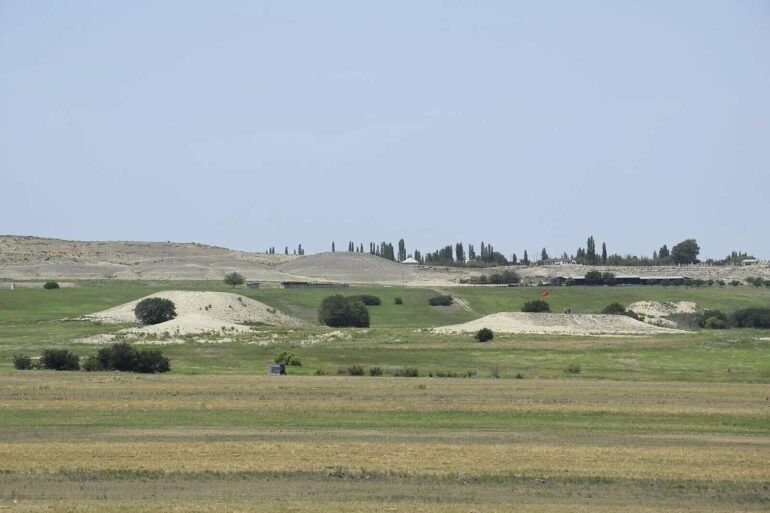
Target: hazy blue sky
pixel 251 124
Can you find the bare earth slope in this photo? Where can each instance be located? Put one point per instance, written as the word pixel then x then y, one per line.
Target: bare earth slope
pixel 557 324
pixel 34 258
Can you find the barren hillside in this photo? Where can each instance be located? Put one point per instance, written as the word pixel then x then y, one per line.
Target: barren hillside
pixel 34 258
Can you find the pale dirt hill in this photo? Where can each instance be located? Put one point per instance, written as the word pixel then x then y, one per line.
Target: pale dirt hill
pixel 658 313
pixel 218 306
pixel 210 316
pixel 557 324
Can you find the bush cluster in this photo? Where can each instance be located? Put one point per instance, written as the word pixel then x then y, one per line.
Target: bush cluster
pixel 440 301
pixel 537 306
pixel 124 357
pixel 50 285
pixel 155 310
pixel 505 278
pixel 398 301
pixel 357 370
pixel 484 335
pixel 59 359
pixel 22 362
pixel 338 311
pixel 366 299
pixel 752 318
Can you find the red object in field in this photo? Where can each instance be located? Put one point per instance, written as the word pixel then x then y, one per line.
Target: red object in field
pixel 545 293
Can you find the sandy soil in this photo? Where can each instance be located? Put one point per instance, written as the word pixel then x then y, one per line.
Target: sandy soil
pixel 210 313
pixel 557 324
pixel 657 313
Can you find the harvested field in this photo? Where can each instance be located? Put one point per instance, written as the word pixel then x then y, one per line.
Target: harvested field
pixel 86 441
pixel 558 324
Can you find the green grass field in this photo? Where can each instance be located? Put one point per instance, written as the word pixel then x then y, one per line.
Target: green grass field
pixel 656 423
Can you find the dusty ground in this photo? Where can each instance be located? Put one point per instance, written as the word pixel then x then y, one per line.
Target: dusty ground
pixel 557 324
pixel 33 258
pixel 213 313
pixel 658 313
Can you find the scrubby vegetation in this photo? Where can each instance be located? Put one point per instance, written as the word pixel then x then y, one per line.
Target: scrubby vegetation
pixel 50 285
pixel 59 359
pixel 484 335
pixel 367 299
pixel 440 300
pixel 22 362
pixel 155 310
pixel 338 311
pixel 234 278
pixel 124 357
pixel 536 306
pixel 752 318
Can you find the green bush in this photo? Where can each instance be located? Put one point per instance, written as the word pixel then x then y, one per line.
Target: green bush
pixel 404 372
pixel 59 359
pixel 151 361
pixel 92 364
pixel 51 285
pixel 440 301
pixel 353 370
pixel 735 283
pixel 505 277
pixel 570 282
pixel 234 278
pixel 288 358
pixel 376 371
pixel 366 299
pixel 22 362
pixel 338 311
pixel 714 323
pixel 752 318
pixel 537 305
pixel 614 309
pixel 484 335
pixel 155 310
pixel 398 301
pixel 124 357
pixel 119 357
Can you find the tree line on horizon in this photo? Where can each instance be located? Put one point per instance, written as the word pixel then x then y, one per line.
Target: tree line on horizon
pixel 682 253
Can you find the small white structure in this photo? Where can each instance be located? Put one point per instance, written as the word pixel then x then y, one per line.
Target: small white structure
pixel 410 260
pixel 749 261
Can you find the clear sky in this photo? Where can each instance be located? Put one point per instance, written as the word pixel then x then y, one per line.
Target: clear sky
pixel 525 124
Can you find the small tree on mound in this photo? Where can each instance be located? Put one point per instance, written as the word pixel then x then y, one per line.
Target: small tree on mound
pixel 536 306
pixel 484 335
pixel 154 310
pixel 338 311
pixel 234 278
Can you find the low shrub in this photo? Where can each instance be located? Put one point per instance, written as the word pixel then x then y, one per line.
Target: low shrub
pixel 50 285
pixel 154 310
pixel 537 306
pixel 376 371
pixel 59 359
pixel 404 372
pixel 366 299
pixel 505 278
pixel 519 375
pixel 288 358
pixel 321 372
pixel 353 370
pixel 151 361
pixel 570 282
pixel 714 323
pixel 614 309
pixel 124 357
pixel 398 301
pixel 22 362
pixel 92 364
pixel 752 318
pixel 735 283
pixel 440 301
pixel 484 335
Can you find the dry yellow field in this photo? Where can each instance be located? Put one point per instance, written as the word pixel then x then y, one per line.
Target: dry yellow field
pixel 109 442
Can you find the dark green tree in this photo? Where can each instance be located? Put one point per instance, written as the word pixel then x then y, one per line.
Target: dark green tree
pixel 543 255
pixel 686 252
pixel 401 250
pixel 604 253
pixel 234 278
pixel 154 310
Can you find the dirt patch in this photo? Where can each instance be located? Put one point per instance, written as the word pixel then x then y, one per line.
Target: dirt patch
pixel 557 324
pixel 214 314
pixel 655 312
